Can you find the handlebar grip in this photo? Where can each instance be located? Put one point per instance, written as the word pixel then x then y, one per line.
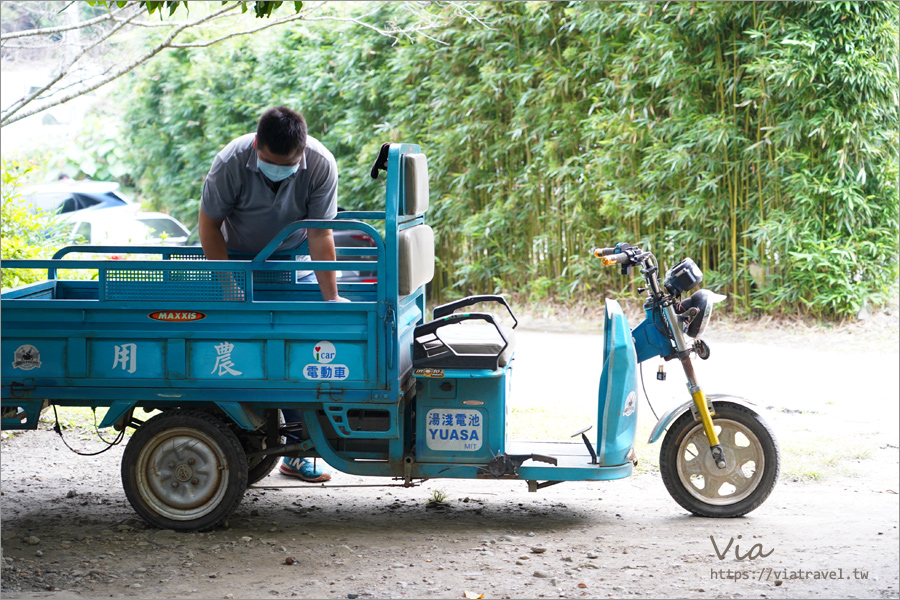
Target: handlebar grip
pixel 600 252
pixel 615 259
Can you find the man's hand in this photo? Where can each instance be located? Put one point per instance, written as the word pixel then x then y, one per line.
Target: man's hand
pixel 321 247
pixel 211 237
pixel 213 243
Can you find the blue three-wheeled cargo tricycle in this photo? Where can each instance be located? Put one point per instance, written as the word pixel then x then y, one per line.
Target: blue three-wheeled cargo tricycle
pixel 218 347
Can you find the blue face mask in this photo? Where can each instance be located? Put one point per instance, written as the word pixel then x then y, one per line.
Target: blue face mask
pixel 276 172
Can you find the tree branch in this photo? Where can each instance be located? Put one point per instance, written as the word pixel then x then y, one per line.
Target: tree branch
pixel 391 33
pixel 460 7
pixel 48 96
pixel 307 7
pixel 299 16
pixel 63 70
pixel 17 114
pixel 51 30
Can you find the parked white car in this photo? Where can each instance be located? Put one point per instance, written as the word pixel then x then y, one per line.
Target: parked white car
pixel 68 195
pixel 124 226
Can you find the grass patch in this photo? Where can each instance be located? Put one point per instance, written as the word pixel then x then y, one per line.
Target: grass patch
pixel 541 424
pixel 438 496
pixel 438 500
pixel 819 457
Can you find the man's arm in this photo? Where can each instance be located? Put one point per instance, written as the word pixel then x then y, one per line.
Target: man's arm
pixel 212 239
pixel 213 242
pixel 321 247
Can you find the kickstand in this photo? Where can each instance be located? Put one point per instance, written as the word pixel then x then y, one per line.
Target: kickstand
pixel 587 442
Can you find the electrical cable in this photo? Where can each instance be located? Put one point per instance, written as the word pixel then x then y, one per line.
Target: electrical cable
pixel 657 308
pixel 646 397
pixel 656 324
pixel 97 430
pixel 58 429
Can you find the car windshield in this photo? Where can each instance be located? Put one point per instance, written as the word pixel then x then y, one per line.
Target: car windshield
pixel 158 227
pixel 72 196
pixel 47 201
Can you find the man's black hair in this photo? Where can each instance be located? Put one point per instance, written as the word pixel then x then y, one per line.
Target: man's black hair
pixel 281 131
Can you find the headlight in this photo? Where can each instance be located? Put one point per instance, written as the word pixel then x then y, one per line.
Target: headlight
pixel 694 312
pixel 683 277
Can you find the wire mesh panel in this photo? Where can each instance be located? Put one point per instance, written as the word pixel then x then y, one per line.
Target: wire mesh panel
pixel 164 284
pixel 274 276
pixel 258 276
pixel 198 256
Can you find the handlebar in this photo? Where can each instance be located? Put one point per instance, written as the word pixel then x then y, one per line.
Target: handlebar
pixel 601 252
pixel 627 256
pixel 616 259
pixel 622 254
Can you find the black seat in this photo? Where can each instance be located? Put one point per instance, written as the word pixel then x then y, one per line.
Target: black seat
pixel 464 341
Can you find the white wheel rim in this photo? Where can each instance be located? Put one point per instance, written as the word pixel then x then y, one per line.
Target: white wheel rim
pixel 705 481
pixel 182 474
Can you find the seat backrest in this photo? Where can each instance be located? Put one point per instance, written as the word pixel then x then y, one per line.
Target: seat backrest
pixel 416 175
pixel 416 258
pixel 415 244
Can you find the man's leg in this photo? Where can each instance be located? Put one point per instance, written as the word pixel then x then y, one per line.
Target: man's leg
pixel 301 468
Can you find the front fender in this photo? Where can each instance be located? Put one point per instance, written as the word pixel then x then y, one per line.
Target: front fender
pixel 669 418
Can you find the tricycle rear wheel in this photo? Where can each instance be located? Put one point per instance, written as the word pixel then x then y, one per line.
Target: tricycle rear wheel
pixel 696 483
pixel 258 468
pixel 184 470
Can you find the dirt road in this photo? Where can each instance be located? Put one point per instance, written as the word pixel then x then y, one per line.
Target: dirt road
pixel 67 530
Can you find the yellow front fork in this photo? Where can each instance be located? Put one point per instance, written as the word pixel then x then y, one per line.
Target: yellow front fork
pixel 696 393
pixel 705 417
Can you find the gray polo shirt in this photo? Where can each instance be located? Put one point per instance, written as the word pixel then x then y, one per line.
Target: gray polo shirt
pixel 235 190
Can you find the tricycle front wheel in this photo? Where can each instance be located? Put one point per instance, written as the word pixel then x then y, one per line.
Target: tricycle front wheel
pixel 695 481
pixel 184 470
